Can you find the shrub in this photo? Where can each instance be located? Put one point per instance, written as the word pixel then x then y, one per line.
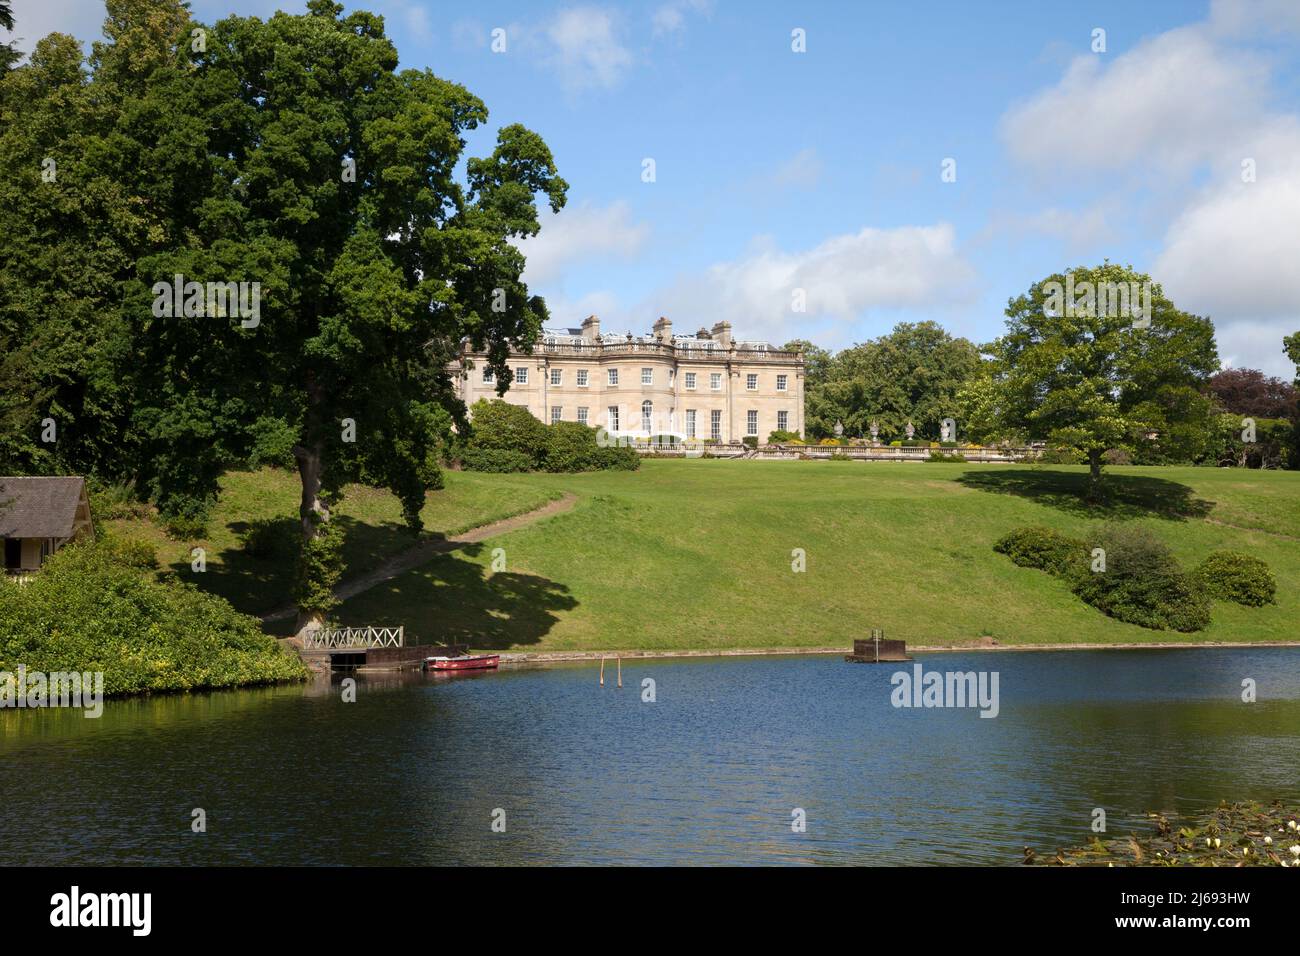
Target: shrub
pixel 186 527
pixel 1142 583
pixel 936 455
pixel 1043 548
pixel 571 446
pixel 130 552
pixel 500 426
pixel 1061 456
pixel 1117 456
pixel 780 437
pixel 618 458
pixel 273 441
pixel 750 441
pixel 116 500
pixel 271 538
pixel 1237 577
pixel 86 611
pixel 498 460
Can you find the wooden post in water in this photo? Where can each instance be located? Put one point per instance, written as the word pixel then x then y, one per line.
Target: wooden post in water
pixel 620 671
pixel 602 671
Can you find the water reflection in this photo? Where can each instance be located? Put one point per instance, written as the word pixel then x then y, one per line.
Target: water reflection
pixel 709 773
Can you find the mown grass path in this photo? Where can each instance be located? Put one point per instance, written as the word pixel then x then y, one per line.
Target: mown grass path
pixel 422 553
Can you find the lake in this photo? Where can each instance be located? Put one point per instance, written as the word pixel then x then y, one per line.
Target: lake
pixel 417 769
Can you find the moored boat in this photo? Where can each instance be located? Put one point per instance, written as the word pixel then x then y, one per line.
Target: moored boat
pixel 467 662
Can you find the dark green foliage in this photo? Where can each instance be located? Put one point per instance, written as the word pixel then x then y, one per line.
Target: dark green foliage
pixel 912 374
pixel 184 527
pixel 750 441
pixel 496 460
pixel 507 438
pixel 500 426
pixel 618 458
pixel 320 566
pixel 115 500
pixel 1043 548
pixel 937 455
pixel 1237 577
pixel 89 611
pixel 1060 456
pixel 1142 582
pixel 268 538
pixel 571 446
pixel 780 437
pixel 273 440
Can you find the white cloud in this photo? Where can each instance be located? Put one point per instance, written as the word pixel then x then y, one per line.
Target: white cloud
pixel 1170 123
pixel 671 17
pixel 580 234
pixel 1170 103
pixel 585 50
pixel 906 268
pixel 802 170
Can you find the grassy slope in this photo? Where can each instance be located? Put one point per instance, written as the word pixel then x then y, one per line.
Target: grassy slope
pixel 371 518
pixel 693 554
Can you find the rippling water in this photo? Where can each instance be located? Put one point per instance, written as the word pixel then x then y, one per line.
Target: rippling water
pixel 709 773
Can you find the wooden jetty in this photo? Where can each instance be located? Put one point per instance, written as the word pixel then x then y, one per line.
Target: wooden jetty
pixel 370 649
pixel 877 650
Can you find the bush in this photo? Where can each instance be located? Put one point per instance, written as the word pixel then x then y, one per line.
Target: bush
pixel 273 441
pixel 498 460
pixel 130 552
pixel 780 437
pixel 1142 583
pixel 1043 548
pixel 1237 577
pixel 618 458
pixel 500 426
pixel 271 538
pixel 1117 456
pixel 1061 456
pixel 115 500
pixel 936 455
pixel 87 612
pixel 750 441
pixel 186 527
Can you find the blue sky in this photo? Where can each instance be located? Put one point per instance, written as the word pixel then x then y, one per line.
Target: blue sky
pixel 821 170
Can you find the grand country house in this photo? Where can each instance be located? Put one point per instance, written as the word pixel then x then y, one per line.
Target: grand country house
pixel 699 386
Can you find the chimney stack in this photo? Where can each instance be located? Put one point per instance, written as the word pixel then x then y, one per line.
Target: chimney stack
pixel 663 330
pixel 590 328
pixel 722 334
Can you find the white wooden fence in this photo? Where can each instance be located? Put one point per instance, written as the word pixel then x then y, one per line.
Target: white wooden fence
pixel 359 637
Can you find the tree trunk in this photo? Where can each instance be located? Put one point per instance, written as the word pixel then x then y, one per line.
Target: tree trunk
pixel 313 514
pixel 1094 474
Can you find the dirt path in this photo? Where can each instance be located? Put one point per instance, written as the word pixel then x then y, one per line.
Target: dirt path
pixel 421 553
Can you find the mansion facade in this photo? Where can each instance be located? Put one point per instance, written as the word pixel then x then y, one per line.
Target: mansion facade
pixel 702 386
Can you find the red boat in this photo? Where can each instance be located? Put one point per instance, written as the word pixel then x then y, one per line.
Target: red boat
pixel 466 663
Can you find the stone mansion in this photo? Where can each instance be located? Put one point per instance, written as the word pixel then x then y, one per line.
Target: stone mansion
pixel 704 386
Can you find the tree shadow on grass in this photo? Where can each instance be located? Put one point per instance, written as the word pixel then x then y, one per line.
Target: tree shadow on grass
pixel 257 575
pixel 1127 496
pixel 452 600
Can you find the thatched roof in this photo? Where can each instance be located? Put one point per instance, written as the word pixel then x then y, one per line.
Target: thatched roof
pixel 39 507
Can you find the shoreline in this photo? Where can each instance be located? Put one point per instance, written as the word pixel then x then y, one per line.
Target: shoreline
pixel 553 657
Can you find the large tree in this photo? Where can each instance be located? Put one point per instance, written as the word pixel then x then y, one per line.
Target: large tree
pixel 912 374
pixel 293 153
pixel 1092 372
pixel 1249 392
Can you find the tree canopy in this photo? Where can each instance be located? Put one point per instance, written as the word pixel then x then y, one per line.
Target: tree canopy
pixel 1085 374
pixel 912 374
pixel 291 156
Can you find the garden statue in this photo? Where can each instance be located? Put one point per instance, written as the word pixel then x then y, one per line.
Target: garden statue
pixel 839 429
pixel 911 430
pixel 875 430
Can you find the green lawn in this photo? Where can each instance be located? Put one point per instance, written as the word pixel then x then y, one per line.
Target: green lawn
pixel 371 519
pixel 697 554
